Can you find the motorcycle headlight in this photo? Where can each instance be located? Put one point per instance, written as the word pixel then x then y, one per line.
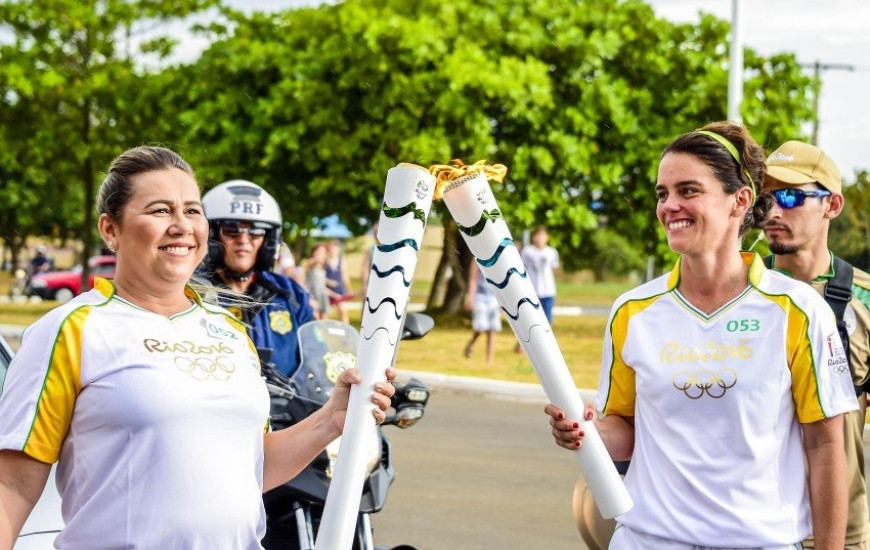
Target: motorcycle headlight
pixel 417 395
pixel 408 416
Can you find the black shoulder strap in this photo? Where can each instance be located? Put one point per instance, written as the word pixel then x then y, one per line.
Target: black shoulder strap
pixel 838 291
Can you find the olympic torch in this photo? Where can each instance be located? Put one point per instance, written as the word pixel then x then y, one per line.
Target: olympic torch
pixel 407 200
pixel 468 197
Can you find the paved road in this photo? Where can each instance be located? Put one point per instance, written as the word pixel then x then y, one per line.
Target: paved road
pixel 479 474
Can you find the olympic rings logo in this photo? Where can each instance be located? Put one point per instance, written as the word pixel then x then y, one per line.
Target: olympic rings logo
pixel 219 368
pixel 705 381
pixel 840 369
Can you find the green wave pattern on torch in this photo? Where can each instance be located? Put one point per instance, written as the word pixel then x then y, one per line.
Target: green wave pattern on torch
pixel 401 211
pixel 485 216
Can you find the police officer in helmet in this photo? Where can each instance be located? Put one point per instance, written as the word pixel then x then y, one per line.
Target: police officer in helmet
pixel 243 243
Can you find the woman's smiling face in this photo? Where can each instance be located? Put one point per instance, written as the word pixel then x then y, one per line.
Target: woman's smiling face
pixel 162 233
pixel 693 208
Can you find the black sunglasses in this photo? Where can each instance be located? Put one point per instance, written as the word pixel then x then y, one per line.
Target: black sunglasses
pixel 234 229
pixel 791 197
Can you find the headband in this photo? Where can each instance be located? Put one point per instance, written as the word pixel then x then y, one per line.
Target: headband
pixel 733 150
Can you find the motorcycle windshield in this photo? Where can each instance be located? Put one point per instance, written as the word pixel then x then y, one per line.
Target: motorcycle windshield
pixel 327 349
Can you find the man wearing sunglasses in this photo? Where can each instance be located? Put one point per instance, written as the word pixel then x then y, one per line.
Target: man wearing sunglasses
pixel 243 242
pixel 806 185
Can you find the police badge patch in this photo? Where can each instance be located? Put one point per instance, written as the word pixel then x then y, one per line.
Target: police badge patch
pixel 280 322
pixel 337 362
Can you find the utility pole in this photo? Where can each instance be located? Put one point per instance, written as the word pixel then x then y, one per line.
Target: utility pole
pixel 818 67
pixel 735 66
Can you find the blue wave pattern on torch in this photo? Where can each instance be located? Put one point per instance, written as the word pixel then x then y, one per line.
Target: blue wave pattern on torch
pixel 377 307
pixel 507 278
pixel 489 262
pixel 387 273
pixel 399 244
pixel 519 304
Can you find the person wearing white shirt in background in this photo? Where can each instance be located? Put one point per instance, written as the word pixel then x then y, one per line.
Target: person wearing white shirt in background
pixel 541 261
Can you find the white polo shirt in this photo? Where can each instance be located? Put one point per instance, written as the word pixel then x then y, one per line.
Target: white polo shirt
pixel 540 263
pixel 717 400
pixel 156 423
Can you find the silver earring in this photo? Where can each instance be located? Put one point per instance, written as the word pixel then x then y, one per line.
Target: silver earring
pixel 111 246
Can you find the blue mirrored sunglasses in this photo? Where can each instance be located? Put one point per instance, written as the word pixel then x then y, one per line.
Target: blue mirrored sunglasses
pixel 791 197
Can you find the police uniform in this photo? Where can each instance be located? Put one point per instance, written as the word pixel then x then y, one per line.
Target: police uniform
pixel 156 423
pixel 717 400
pixel 280 307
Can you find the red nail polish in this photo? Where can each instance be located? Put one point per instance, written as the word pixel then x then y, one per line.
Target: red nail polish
pixel 581 433
pixel 561 416
pixel 589 416
pixel 577 445
pixel 576 425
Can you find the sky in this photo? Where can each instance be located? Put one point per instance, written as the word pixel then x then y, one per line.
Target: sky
pixel 829 31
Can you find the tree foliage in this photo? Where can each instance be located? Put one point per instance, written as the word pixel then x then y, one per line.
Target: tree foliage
pixel 316 104
pixel 850 231
pixel 67 87
pixel 578 102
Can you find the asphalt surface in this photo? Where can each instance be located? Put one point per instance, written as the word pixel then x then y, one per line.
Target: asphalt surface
pixel 479 473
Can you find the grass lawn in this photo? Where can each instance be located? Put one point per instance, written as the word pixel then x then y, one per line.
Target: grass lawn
pixel 441 352
pixel 23 314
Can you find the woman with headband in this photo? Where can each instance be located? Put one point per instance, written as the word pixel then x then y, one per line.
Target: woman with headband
pixel 716 378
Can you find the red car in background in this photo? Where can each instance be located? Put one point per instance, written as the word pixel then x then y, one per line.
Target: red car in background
pixel 64 285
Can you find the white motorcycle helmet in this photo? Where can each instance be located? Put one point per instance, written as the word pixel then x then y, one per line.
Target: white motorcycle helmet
pixel 242 201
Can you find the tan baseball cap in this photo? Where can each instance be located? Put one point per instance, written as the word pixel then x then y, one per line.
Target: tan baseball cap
pixel 797 163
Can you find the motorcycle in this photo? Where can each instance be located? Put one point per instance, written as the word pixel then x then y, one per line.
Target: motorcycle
pixel 20 287
pixel 294 509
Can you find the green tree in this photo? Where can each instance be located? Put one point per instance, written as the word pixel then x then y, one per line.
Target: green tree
pixel 850 231
pixel 67 84
pixel 578 102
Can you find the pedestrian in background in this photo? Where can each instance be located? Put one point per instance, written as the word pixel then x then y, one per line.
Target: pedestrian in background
pixel 337 279
pixel 315 280
pixel 485 312
pixel 41 262
pixel 541 260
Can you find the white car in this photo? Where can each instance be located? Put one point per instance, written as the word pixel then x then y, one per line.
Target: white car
pixel 45 521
